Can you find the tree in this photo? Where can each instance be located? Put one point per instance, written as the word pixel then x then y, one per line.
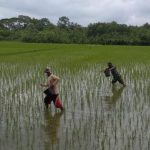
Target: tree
pixel 42 30
pixel 63 22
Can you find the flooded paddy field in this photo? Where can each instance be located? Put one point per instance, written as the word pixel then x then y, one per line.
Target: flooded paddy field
pixel 97 116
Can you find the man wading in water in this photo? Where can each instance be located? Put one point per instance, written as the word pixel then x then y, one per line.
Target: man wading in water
pixel 52 93
pixel 111 70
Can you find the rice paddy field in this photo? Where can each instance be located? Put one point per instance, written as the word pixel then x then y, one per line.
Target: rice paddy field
pixel 97 116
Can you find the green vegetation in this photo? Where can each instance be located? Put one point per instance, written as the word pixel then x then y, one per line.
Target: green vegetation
pixel 26 29
pixel 97 115
pixel 40 53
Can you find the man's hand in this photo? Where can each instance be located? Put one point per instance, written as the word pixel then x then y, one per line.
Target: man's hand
pixel 44 85
pixel 41 84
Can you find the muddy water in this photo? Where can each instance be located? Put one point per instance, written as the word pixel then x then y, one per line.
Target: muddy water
pixel 97 115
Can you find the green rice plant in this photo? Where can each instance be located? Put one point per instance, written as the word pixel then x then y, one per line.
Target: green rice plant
pixel 97 115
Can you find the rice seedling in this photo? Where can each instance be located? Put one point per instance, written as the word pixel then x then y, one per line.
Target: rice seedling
pixel 97 115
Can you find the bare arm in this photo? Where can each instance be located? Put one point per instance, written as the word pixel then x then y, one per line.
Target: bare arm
pixel 112 68
pixel 44 85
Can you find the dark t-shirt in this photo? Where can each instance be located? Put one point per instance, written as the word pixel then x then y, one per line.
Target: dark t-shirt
pixel 114 72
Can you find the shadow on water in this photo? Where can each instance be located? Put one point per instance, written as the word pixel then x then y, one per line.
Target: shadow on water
pixel 116 94
pixel 51 128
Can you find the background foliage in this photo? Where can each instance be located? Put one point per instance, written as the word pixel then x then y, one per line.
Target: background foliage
pixel 27 29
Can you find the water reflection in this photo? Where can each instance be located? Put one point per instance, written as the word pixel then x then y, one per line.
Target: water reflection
pixel 51 127
pixel 116 94
pixel 97 115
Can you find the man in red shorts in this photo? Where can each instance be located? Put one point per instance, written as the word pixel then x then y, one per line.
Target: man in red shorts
pixel 52 93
